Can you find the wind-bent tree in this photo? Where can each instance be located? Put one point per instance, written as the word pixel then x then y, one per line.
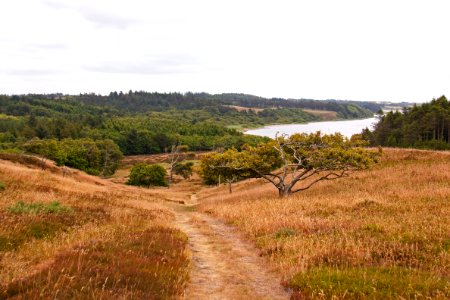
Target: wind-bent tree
pixel 293 164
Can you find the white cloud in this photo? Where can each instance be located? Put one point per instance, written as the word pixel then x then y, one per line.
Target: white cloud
pixel 100 17
pixel 158 64
pixel 349 49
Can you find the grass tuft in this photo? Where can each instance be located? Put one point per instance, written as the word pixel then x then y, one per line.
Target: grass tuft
pixel 373 228
pixel 54 207
pixel 366 205
pixel 25 223
pixel 285 233
pixel 368 283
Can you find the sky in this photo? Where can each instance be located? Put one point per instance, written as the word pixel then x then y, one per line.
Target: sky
pixel 385 50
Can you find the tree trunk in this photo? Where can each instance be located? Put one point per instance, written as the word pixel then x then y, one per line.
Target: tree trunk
pixel 169 181
pixel 229 187
pixel 284 191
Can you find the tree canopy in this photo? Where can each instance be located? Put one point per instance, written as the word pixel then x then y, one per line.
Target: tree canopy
pixel 139 122
pixel 100 157
pixel 292 164
pixel 146 175
pixel 145 123
pixel 420 126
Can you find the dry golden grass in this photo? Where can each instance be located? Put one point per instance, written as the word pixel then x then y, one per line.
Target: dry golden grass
pixel 326 115
pixel 387 229
pixel 37 248
pixel 242 108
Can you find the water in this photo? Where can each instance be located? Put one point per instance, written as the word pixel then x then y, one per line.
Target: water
pixel 347 128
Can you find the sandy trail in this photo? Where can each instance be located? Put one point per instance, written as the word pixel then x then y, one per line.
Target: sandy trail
pixel 224 266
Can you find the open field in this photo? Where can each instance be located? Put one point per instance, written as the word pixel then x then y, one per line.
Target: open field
pixel 246 109
pixel 325 115
pixel 79 236
pixel 381 233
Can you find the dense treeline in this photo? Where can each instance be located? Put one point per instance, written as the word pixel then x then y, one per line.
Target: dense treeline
pixel 94 157
pixel 139 102
pixel 144 101
pixel 420 126
pixel 59 117
pixel 143 123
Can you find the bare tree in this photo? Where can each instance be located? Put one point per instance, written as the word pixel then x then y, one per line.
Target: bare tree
pixel 176 155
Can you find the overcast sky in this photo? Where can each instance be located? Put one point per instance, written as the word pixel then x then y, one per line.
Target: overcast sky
pixel 360 50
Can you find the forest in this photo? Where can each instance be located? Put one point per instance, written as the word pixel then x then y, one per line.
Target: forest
pixel 146 123
pixel 425 126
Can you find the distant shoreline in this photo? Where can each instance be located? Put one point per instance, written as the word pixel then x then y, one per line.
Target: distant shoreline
pixel 291 128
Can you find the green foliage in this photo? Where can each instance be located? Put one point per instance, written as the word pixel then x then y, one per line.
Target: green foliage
pixel 145 123
pixel 2 186
pixel 110 156
pixel 300 155
pixel 54 207
pixel 143 174
pixel 368 283
pixel 425 126
pixel 184 169
pixel 100 157
pixel 215 167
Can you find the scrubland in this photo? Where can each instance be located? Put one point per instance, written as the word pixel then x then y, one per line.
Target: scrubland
pixel 78 236
pixel 382 233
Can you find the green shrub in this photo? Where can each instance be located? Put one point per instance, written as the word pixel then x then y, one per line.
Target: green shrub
pixel 184 169
pixel 21 207
pixel 2 186
pixel 143 174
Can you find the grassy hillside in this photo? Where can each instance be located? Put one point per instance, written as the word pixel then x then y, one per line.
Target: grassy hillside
pixel 378 234
pixel 77 236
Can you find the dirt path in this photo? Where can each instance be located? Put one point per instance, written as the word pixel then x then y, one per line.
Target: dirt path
pixel 224 265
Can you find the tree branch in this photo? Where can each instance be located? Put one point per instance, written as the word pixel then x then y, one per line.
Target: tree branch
pixel 329 176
